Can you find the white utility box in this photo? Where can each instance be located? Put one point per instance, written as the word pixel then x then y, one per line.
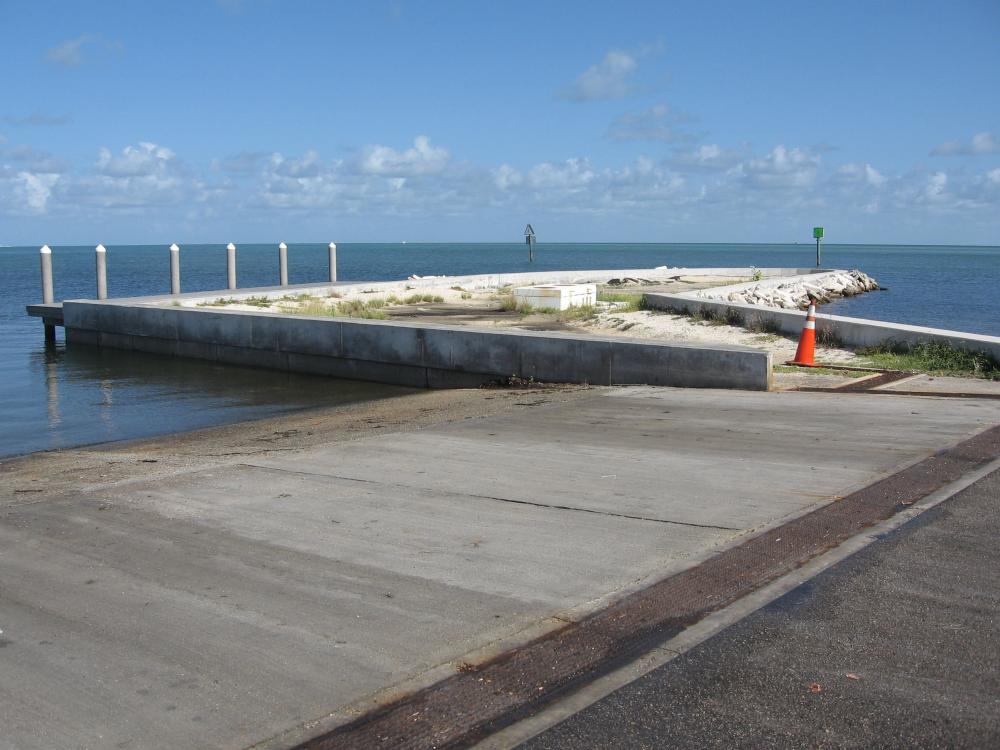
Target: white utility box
pixel 556 296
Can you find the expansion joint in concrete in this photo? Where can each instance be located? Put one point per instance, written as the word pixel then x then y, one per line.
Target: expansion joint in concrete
pixel 548 506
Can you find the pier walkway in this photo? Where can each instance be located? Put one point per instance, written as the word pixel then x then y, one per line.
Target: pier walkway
pixel 263 584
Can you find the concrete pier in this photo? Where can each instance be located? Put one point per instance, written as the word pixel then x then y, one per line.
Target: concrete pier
pixel 402 353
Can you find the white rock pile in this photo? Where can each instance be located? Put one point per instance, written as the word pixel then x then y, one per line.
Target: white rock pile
pixel 794 294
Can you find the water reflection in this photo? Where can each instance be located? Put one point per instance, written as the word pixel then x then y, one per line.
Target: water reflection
pixel 51 355
pixel 96 395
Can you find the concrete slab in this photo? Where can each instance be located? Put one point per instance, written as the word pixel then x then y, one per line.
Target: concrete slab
pixel 221 606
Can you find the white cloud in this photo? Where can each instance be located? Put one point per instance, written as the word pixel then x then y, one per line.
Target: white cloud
pixel 709 157
pixel 76 52
pixel 244 162
pixel 34 190
pixel 37 161
pixel 308 165
pixel 571 174
pixel 658 123
pixel 421 159
pixel 135 161
pixel 141 176
pixel 860 173
pixel 69 54
pixel 609 79
pixel 934 188
pixel 979 144
pixel 37 120
pixel 710 184
pixel 505 177
pixel 782 168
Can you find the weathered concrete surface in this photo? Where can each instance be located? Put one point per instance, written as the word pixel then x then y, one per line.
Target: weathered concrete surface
pixel 231 598
pixel 406 353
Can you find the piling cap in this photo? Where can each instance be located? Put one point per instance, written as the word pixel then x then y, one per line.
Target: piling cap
pixel 100 249
pixel 230 246
pixel 45 249
pixel 174 247
pixel 282 246
pixel 333 245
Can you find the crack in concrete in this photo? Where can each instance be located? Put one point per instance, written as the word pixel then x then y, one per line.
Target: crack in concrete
pixel 531 503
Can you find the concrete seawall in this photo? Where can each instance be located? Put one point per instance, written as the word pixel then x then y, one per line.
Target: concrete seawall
pixel 855 332
pixel 415 354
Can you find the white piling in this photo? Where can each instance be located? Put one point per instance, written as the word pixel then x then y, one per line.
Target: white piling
pixel 231 264
pixel 333 260
pixel 48 297
pixel 283 264
pixel 175 269
pixel 101 256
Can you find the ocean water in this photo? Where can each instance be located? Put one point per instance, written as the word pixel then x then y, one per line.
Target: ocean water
pixel 54 396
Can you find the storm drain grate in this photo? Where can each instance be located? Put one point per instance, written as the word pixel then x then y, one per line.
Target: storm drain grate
pixel 484 698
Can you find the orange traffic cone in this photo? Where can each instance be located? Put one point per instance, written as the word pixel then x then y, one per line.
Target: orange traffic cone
pixel 807 341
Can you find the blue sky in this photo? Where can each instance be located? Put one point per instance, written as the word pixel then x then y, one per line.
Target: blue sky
pixel 260 120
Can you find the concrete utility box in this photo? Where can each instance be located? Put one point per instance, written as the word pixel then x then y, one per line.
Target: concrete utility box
pixel 556 296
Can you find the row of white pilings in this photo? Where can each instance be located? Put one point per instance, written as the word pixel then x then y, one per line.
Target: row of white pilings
pixel 101 263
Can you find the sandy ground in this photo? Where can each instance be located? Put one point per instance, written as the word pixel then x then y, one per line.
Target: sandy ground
pixel 453 305
pixel 649 324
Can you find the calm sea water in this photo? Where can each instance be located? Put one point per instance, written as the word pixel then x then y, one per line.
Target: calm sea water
pixel 52 397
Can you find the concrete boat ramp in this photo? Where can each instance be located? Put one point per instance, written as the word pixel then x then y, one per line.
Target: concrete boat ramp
pixel 261 585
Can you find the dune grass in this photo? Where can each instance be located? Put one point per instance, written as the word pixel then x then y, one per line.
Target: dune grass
pixel 356 308
pixel 623 302
pixel 933 358
pixel 251 301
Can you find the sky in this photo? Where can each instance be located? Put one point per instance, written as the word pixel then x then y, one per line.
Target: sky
pixel 392 120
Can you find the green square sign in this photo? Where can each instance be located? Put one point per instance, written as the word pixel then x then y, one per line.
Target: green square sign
pixel 818 232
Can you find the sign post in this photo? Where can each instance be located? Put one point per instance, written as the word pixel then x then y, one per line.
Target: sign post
pixel 818 234
pixel 529 240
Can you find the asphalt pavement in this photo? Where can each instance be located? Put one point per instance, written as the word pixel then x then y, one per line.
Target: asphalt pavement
pixel 895 647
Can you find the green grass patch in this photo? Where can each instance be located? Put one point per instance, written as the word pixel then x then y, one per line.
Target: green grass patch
pixel 580 312
pixel 712 317
pixel 763 325
pixel 251 301
pixel 416 299
pixel 466 295
pixel 355 308
pixel 624 302
pixel 509 303
pixel 934 358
